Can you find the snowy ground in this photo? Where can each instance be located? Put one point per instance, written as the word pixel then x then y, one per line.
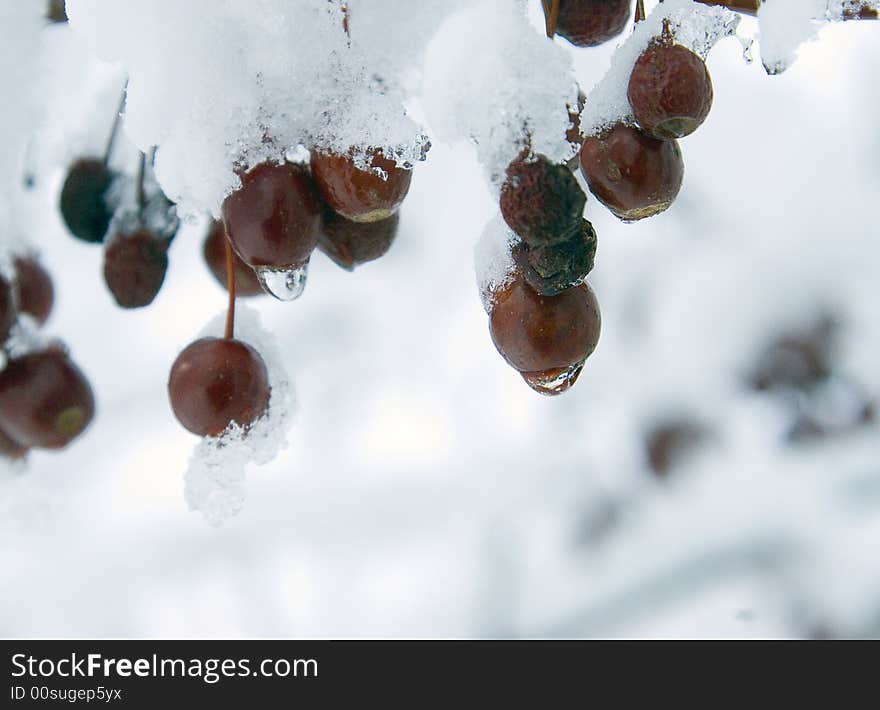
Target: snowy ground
pixel 426 491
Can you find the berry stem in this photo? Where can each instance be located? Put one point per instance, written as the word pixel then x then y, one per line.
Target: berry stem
pixel 115 127
pixel 640 11
pixel 551 16
pixel 141 195
pixel 230 286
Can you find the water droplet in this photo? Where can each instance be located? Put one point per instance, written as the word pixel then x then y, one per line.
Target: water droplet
pixel 284 284
pixel 555 381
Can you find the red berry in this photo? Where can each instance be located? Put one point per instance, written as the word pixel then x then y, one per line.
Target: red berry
pixel 10 449
pixel 134 268
pixel 215 382
pixel 632 174
pixel 274 218
pixel 36 295
pixel 670 91
pixel 361 195
pixel 538 333
pixel 84 204
pixel 351 244
pixel 587 23
pixel 45 400
pixel 540 200
pixel 7 309
pixel 214 251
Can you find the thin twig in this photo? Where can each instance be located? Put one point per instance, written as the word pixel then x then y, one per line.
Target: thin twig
pixel 230 286
pixel 115 128
pixel 141 174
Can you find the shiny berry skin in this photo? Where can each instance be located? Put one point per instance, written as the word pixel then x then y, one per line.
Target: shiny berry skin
pixel 670 91
pixel 36 295
pixel 10 449
pixel 134 268
pixel 588 23
pixel 83 203
pixel 7 309
pixel 274 218
pixel 360 195
pixel 552 268
pixel 536 333
pixel 350 244
pixel 541 201
pixel 45 400
pixel 632 174
pixel 214 251
pixel 215 382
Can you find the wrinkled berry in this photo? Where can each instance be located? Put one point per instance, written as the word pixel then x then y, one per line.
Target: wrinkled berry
pixel 552 268
pixel 587 23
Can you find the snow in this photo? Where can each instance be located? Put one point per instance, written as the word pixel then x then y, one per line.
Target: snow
pixel 493 259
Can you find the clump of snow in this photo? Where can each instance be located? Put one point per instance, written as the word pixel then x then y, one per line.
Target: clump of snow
pixel 214 484
pixel 695 26
pixel 492 78
pixel 493 260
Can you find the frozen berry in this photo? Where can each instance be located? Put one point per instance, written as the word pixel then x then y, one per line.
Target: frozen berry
pixel 10 449
pixel 7 309
pixel 134 268
pixel 84 200
pixel 632 174
pixel 36 295
pixel 587 23
pixel 215 382
pixel 274 218
pixel 351 244
pixel 670 90
pixel 537 333
pixel 45 400
pixel 541 201
pixel 214 251
pixel 361 195
pixel 552 268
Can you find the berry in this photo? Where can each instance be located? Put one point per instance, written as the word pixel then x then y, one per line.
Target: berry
pixel 351 244
pixel 537 333
pixel 215 382
pixel 36 295
pixel 57 11
pixel 798 361
pixel 552 268
pixel 632 174
pixel 45 400
pixel 540 200
pixel 274 218
pixel 670 91
pixel 10 449
pixel 84 204
pixel 587 23
pixel 669 444
pixel 214 251
pixel 7 309
pixel 134 268
pixel 360 195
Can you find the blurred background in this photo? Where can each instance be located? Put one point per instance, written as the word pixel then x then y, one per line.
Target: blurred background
pixel 714 473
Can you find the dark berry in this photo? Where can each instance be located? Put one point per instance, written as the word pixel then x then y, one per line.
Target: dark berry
pixel 7 309
pixel 57 11
pixel 552 268
pixel 134 268
pixel 669 443
pixel 632 174
pixel 215 382
pixel 274 218
pixel 799 360
pixel 587 23
pixel 36 295
pixel 10 449
pixel 84 203
pixel 541 201
pixel 537 333
pixel 361 195
pixel 351 244
pixel 45 400
pixel 214 251
pixel 670 91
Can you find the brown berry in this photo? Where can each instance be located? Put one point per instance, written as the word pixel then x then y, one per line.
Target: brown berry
pixel 134 268
pixel 632 174
pixel 36 295
pixel 552 268
pixel 7 309
pixel 45 400
pixel 670 91
pixel 587 23
pixel 215 382
pixel 357 194
pixel 10 449
pixel 351 244
pixel 274 218
pixel 537 333
pixel 214 251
